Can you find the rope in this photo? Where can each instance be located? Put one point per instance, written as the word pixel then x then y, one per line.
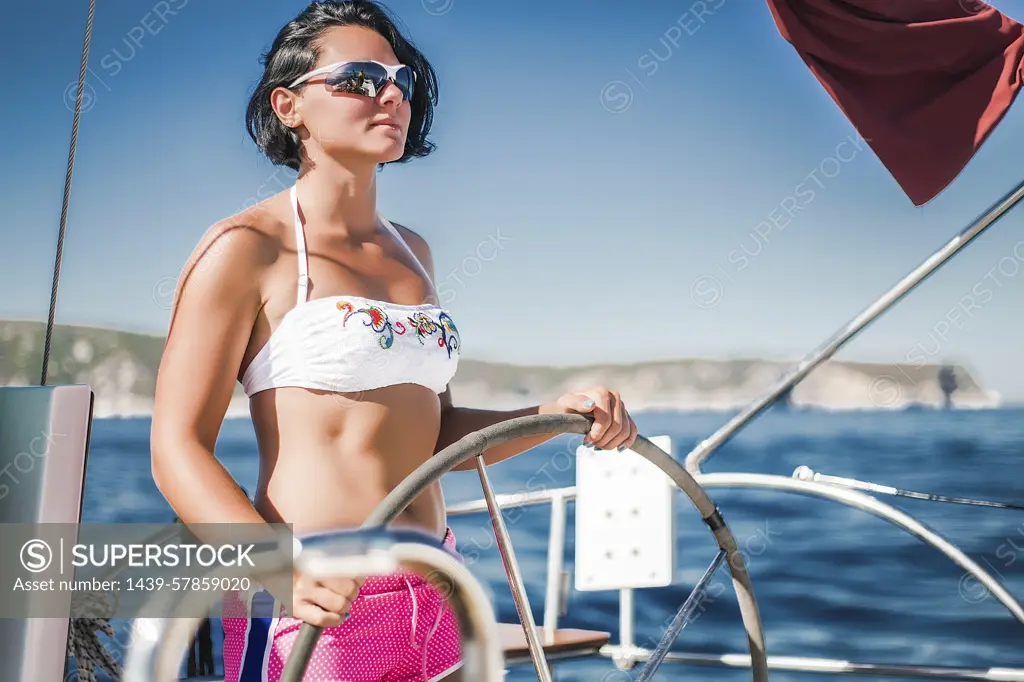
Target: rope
pixel 84 644
pixel 67 192
pixel 83 638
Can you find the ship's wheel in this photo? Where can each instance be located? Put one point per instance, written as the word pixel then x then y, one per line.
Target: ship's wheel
pixel 475 445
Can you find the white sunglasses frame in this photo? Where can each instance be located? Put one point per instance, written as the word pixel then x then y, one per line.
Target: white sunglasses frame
pixel 392 71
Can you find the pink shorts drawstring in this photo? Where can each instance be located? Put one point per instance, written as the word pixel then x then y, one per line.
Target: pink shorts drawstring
pixel 430 632
pixel 415 609
pixel 426 640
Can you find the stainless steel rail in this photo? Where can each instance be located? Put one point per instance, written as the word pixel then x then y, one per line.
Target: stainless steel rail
pixel 867 503
pixel 626 654
pixel 514 575
pixel 850 498
pixel 530 499
pixel 828 665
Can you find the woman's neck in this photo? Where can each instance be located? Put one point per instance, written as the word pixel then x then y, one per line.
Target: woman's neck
pixel 339 199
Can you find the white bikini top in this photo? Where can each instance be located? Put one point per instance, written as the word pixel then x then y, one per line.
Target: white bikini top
pixel 347 344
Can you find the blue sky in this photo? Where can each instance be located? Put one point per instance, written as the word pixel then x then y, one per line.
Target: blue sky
pixel 603 190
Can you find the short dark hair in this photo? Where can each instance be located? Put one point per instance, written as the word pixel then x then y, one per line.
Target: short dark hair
pixel 296 51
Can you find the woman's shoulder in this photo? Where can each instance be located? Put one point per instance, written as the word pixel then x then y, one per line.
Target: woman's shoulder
pixel 249 235
pixel 239 245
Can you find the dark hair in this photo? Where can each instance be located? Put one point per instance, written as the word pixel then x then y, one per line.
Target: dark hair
pixel 296 50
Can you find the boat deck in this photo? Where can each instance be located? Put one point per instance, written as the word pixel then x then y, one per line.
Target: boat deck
pixel 563 643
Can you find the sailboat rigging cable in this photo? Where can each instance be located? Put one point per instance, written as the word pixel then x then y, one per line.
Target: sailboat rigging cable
pixel 83 642
pixel 67 192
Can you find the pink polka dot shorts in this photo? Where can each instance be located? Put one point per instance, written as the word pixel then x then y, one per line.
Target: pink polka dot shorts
pixel 398 629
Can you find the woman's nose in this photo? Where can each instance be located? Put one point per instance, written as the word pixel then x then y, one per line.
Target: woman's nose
pixel 391 94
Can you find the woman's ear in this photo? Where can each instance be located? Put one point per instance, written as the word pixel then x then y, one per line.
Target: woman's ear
pixel 286 105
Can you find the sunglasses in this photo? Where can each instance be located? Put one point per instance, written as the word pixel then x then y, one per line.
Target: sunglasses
pixel 363 77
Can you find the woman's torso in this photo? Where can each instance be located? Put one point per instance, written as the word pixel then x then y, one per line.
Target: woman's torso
pixel 346 377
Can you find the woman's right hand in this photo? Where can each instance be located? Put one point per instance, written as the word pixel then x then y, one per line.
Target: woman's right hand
pixel 323 602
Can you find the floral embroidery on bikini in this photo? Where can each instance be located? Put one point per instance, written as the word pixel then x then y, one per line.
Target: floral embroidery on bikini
pixel 378 322
pixel 425 327
pixel 421 322
pixel 451 341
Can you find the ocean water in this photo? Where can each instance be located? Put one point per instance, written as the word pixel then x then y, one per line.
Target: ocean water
pixel 831 581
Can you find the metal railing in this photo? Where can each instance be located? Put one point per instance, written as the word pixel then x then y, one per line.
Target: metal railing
pixel 556 591
pixel 625 654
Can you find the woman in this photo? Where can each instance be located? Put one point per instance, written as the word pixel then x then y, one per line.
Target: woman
pixel 327 314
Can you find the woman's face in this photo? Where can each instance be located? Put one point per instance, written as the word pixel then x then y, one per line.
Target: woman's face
pixel 345 125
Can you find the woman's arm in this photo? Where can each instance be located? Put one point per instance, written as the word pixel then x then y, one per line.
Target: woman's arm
pixel 457 422
pixel 215 307
pixel 613 427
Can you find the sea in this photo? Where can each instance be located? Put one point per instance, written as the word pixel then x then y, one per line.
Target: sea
pixel 831 581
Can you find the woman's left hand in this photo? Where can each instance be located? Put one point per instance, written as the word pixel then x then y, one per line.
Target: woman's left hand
pixel 613 427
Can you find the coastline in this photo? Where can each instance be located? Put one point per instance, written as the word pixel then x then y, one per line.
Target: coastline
pixel 121 368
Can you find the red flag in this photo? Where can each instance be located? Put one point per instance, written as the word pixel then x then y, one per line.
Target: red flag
pixel 924 81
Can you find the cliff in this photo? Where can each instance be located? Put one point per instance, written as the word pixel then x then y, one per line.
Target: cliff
pixel 121 368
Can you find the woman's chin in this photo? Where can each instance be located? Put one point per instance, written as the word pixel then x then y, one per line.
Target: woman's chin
pixel 381 151
pixel 390 152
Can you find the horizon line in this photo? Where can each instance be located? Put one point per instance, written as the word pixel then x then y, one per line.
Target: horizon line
pixel 751 357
